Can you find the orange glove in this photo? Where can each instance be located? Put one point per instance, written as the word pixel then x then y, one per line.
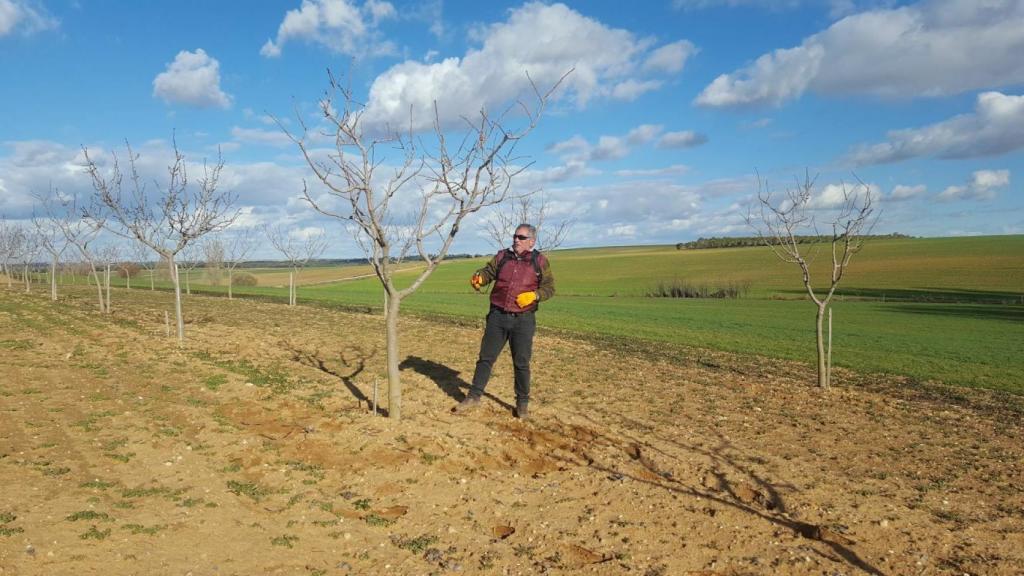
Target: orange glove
pixel 476 281
pixel 526 298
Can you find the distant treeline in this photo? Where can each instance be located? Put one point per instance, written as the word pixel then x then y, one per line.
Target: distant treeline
pixel 740 241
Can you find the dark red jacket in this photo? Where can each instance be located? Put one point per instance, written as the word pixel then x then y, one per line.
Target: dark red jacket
pixel 517 276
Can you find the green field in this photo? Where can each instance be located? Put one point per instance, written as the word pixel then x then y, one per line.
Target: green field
pixel 942 309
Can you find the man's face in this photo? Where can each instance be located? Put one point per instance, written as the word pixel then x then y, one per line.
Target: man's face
pixel 522 240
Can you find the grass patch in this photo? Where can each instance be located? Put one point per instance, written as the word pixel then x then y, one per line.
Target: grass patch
pixel 17 344
pixel 415 545
pixel 374 519
pixel 89 515
pixel 140 529
pixel 214 382
pixel 250 489
pixel 287 541
pixel 95 534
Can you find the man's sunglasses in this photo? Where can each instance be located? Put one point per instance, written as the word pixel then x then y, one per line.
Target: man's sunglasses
pixel 520 237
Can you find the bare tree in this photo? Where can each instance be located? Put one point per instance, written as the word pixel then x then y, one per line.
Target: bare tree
pixel 779 223
pixel 236 249
pixel 107 257
pixel 453 182
pixel 80 233
pixel 141 255
pixel 191 257
pixel 168 221
pixel 30 248
pixel 53 241
pixel 12 237
pixel 213 260
pixel 535 210
pixel 298 251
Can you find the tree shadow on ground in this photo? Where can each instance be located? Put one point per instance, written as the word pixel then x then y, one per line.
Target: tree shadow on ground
pixel 447 379
pixel 1010 313
pixel 351 362
pixel 926 295
pixel 735 485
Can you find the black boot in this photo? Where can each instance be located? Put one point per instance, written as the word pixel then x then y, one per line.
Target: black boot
pixel 522 411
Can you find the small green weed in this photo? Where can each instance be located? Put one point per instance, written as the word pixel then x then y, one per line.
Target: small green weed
pixel 362 504
pixel 377 520
pixel 415 545
pixel 140 529
pixel 288 541
pixel 94 534
pixel 89 515
pixel 250 489
pixel 17 344
pixel 216 381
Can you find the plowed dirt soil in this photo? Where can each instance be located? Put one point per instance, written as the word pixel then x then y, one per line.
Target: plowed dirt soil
pixel 253 450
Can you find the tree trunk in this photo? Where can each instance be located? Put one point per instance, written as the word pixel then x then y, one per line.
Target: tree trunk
pixel 53 279
pixel 99 288
pixel 107 279
pixel 28 281
pixel 230 271
pixel 128 279
pixel 152 275
pixel 822 370
pixel 188 285
pixel 291 288
pixel 394 382
pixel 177 302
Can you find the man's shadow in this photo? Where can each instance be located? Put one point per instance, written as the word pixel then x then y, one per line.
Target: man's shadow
pixel 447 380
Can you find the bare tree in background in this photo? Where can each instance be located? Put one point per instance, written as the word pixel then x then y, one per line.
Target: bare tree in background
pixel 141 255
pixel 237 248
pixel 51 239
pixel 533 209
pixel 30 248
pixel 454 180
pixel 166 221
pixel 190 258
pixel 80 233
pixel 297 251
pixel 107 257
pixel 213 260
pixel 778 223
pixel 12 236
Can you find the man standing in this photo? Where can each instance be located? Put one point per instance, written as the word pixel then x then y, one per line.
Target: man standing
pixel 522 278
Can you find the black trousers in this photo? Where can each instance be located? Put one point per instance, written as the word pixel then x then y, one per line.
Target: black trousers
pixel 517 330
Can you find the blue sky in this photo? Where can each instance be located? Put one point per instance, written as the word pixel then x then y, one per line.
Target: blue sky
pixel 656 137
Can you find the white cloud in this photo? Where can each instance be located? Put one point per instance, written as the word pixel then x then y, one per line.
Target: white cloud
pixel 603 60
pixel 837 8
pixel 643 133
pixel 683 139
pixel 984 186
pixel 670 58
pixel 673 170
pixel 25 15
pixel 342 26
pixel 932 48
pixel 609 148
pixel 260 136
pixel 193 79
pixel 901 192
pixel 996 127
pixel 631 89
pixel 835 196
